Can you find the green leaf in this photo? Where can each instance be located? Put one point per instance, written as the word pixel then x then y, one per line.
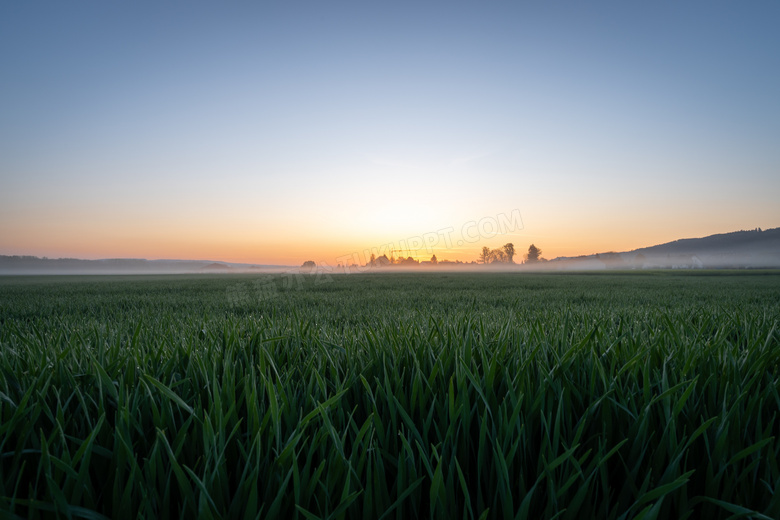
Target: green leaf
pixel 170 394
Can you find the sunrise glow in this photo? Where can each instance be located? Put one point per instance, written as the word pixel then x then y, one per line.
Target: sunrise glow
pixel 275 135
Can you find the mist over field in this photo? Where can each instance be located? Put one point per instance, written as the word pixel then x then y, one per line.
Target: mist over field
pixel 738 250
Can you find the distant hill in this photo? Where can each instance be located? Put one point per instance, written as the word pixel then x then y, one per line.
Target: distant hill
pixel 35 265
pixel 740 249
pixel 736 243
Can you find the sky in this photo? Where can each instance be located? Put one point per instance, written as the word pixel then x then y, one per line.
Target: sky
pixel 275 132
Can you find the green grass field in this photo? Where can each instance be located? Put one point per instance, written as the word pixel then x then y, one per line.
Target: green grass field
pixel 571 396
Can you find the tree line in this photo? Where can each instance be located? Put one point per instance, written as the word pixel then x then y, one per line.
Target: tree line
pixel 506 255
pixel 502 255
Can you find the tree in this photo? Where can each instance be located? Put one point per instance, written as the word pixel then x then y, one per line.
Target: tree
pixel 308 265
pixel 372 262
pixel 497 256
pixel 533 254
pixel 509 250
pixel 484 258
pixel 434 260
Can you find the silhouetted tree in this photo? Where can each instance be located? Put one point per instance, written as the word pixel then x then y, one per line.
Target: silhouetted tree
pixel 533 254
pixel 372 262
pixel 497 256
pixel 484 257
pixel 308 265
pixel 509 250
pixel 434 261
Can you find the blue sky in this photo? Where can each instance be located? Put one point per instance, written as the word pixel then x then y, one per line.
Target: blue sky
pixel 280 132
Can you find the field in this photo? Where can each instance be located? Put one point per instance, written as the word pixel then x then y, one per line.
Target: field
pixel 633 395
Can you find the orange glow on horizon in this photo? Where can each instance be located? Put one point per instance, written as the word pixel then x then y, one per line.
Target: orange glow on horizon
pixel 346 239
pixel 294 252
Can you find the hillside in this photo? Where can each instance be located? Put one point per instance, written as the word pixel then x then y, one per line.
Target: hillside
pixel 740 249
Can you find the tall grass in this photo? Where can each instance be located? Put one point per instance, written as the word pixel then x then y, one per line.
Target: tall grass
pixel 392 396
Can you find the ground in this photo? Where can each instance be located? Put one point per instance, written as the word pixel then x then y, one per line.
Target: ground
pixel 515 395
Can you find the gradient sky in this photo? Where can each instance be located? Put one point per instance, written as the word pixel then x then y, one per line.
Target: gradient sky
pixel 277 133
